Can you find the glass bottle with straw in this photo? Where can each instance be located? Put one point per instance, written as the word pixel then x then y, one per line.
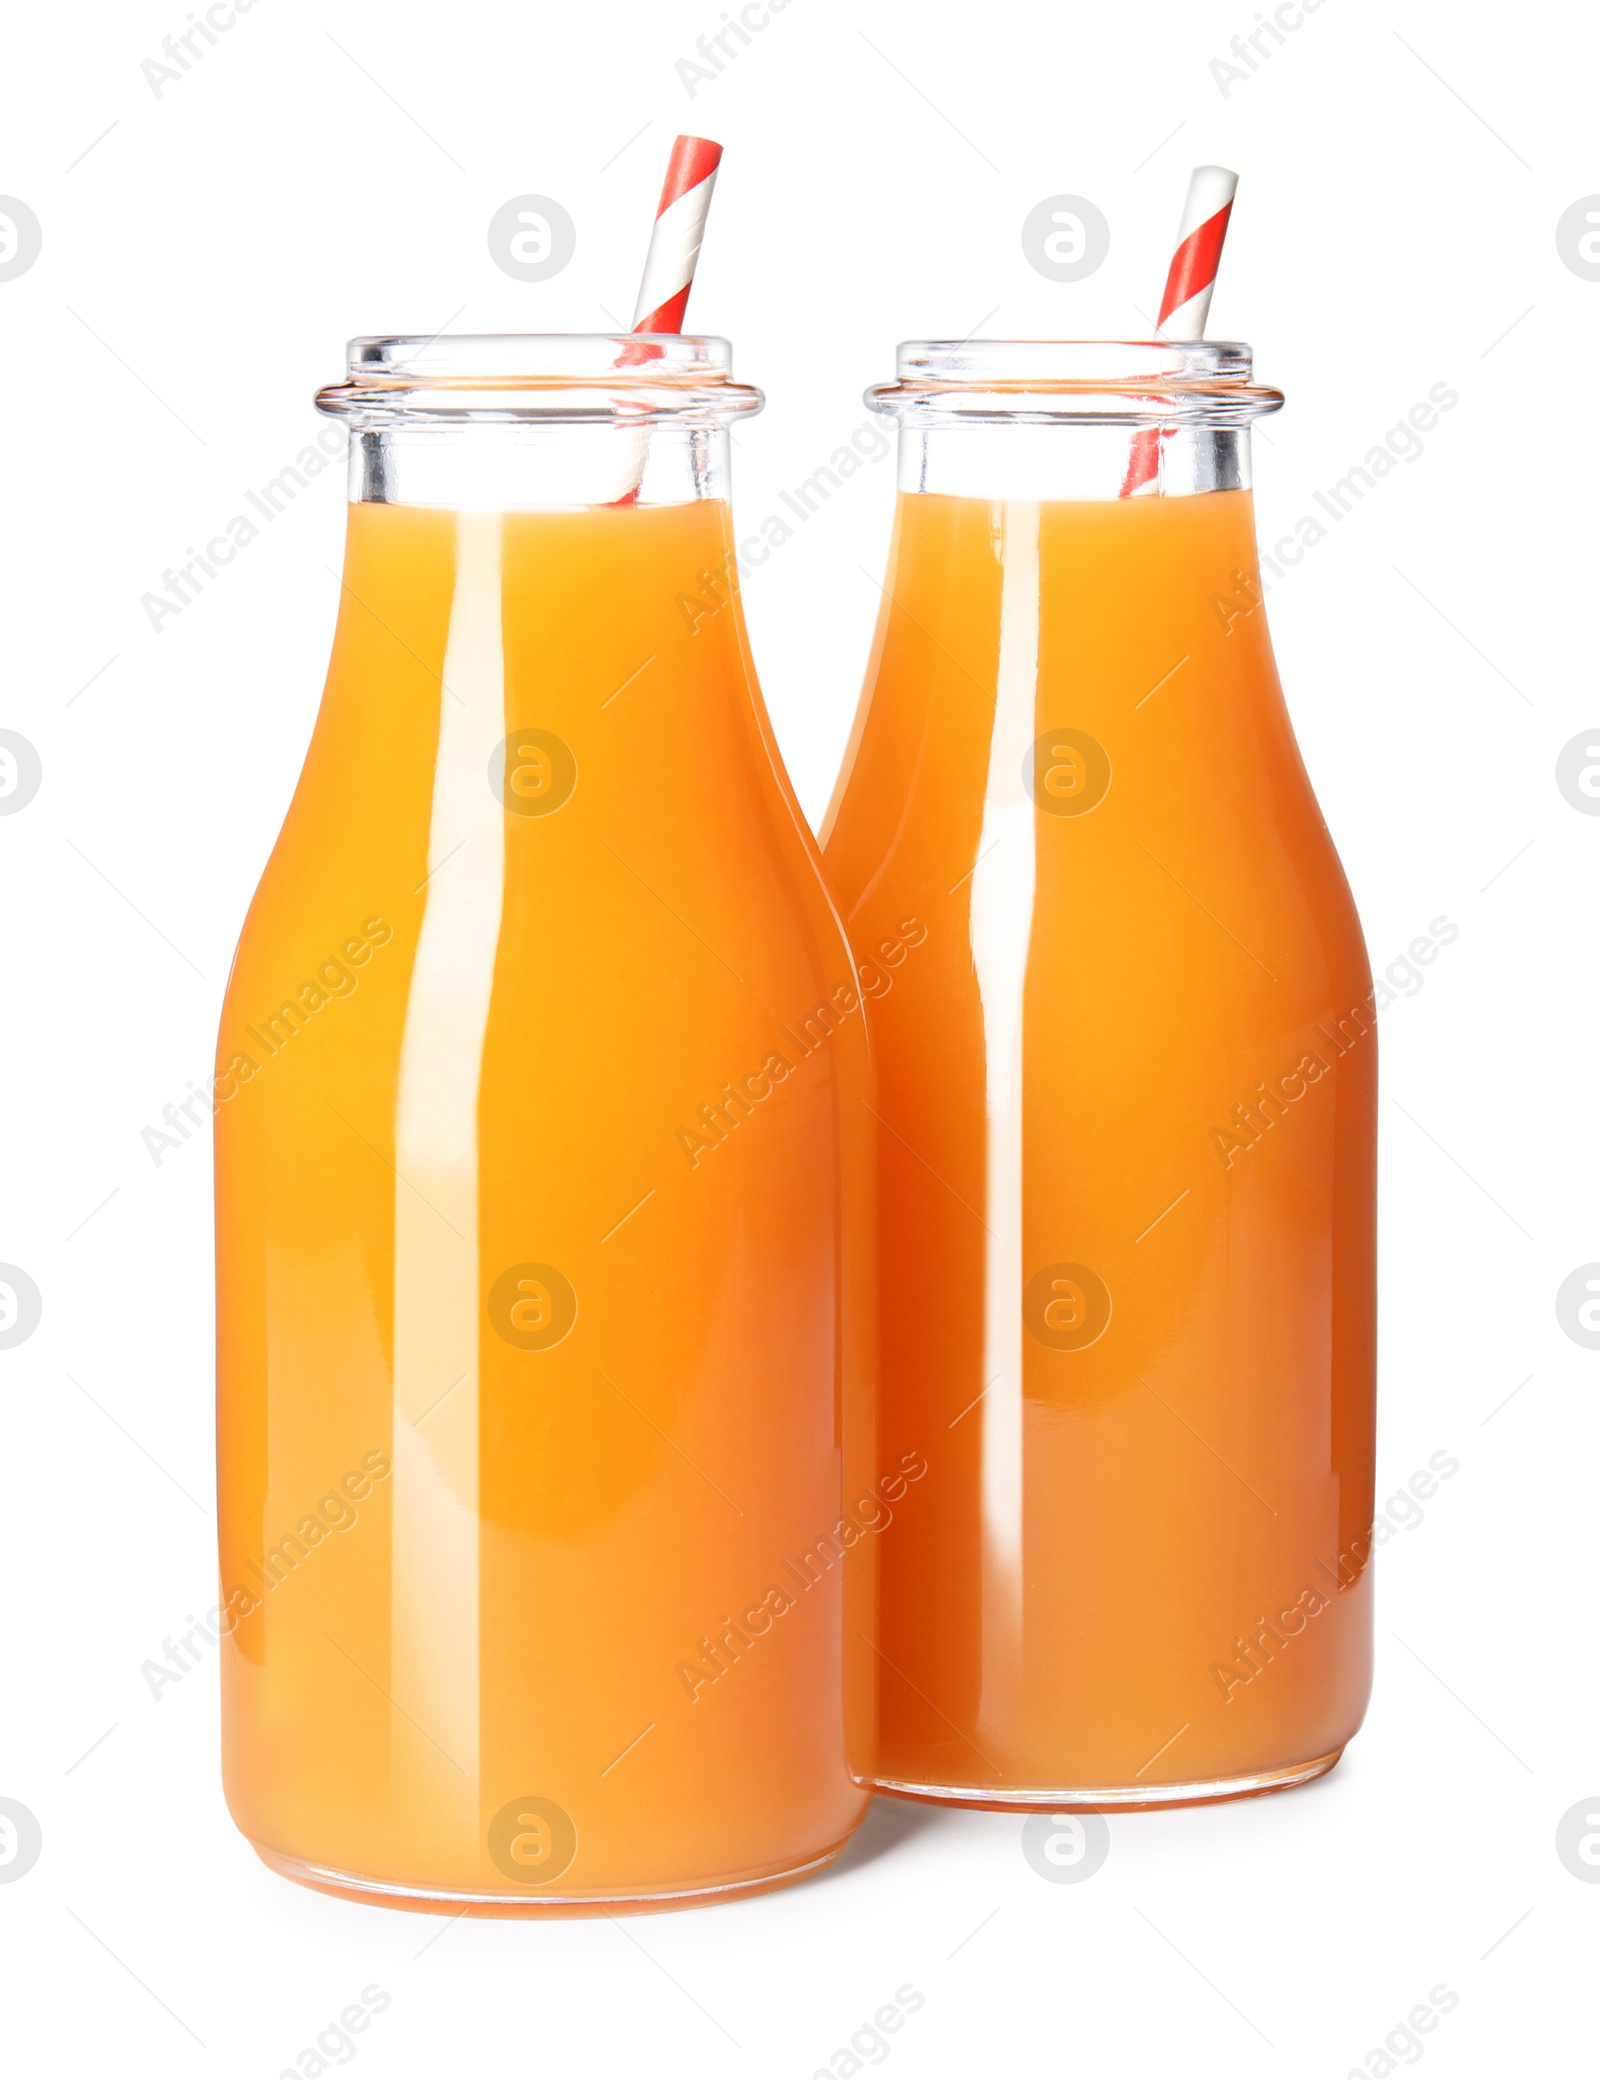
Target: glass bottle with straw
pixel 1127 1095
pixel 543 1178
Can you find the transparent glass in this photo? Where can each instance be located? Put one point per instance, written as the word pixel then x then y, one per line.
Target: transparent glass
pixel 1127 1092
pixel 544 1174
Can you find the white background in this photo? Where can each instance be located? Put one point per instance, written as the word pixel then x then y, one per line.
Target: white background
pixel 331 170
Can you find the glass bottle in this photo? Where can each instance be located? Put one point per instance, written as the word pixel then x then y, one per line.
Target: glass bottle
pixel 1127 1092
pixel 543 1186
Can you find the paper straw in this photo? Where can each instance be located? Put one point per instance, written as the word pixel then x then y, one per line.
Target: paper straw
pixel 675 240
pixel 1187 298
pixel 1193 273
pixel 668 272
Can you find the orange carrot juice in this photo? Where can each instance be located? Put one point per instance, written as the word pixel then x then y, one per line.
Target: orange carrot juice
pixel 1127 1186
pixel 543 1192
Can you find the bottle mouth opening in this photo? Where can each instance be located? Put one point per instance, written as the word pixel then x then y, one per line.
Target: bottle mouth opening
pixel 1121 381
pixel 556 377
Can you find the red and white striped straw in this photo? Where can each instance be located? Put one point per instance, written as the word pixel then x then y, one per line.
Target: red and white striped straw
pixel 675 241
pixel 1187 298
pixel 1193 273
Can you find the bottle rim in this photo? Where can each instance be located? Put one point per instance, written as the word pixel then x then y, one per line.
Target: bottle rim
pixel 1135 382
pixel 450 379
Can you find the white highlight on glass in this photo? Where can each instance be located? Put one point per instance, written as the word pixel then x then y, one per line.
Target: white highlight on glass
pixel 434 1666
pixel 1001 926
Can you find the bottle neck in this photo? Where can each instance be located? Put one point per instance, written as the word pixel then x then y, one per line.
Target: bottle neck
pixel 533 465
pixel 1074 420
pixel 1063 459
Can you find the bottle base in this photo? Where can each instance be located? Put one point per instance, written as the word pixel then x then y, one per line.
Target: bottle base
pixel 422 1899
pixel 1117 1798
